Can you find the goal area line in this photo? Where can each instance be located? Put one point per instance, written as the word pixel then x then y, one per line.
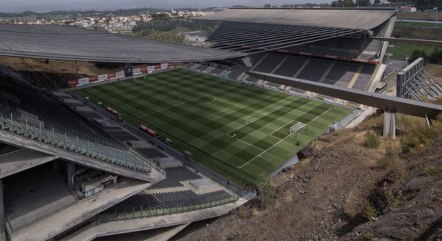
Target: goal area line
pixel 296 127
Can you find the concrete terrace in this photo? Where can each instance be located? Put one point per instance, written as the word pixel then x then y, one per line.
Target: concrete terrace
pixel 105 229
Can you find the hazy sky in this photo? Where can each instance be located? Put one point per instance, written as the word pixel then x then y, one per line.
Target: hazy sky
pixel 42 5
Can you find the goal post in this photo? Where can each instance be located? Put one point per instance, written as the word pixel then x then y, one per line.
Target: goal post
pixel 296 127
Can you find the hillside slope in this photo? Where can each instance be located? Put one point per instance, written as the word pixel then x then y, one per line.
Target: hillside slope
pixel 346 191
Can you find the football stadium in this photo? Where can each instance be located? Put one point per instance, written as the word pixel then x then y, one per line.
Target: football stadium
pixel 182 133
pixel 238 131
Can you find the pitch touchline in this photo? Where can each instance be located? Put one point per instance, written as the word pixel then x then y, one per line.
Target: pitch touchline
pixel 282 140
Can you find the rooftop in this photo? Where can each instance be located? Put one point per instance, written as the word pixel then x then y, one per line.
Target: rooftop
pixel 70 43
pixel 361 19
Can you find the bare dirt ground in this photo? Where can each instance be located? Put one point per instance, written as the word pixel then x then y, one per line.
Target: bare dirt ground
pixel 323 197
pixel 53 66
pixel 53 74
pixel 419 16
pixel 435 70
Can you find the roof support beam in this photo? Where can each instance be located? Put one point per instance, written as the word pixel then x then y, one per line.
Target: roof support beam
pixel 257 32
pixel 265 47
pixel 386 103
pixel 255 38
pixel 263 37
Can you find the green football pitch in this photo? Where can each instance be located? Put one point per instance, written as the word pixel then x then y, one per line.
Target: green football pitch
pixel 238 131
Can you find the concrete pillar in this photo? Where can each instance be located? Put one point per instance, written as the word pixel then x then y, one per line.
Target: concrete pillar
pixel 389 124
pixel 70 171
pixel 2 214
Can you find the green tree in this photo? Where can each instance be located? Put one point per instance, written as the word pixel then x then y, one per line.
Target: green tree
pixel 348 3
pixel 435 57
pixel 417 54
pixel 363 2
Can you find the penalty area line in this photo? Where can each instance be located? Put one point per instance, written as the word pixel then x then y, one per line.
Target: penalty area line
pixel 259 155
pixel 245 142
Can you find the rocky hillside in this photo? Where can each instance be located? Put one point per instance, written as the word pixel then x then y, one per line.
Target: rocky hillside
pixel 354 187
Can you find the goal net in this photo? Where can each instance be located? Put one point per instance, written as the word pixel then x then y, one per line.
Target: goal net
pixel 296 127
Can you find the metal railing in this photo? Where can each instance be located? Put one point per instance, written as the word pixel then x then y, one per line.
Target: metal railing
pixel 145 212
pixel 76 144
pixel 102 112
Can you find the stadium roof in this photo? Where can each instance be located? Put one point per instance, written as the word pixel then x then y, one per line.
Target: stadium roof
pixel 259 30
pixel 70 43
pixel 362 19
pixel 254 38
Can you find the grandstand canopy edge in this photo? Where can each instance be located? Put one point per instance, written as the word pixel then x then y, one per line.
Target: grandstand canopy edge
pixel 255 30
pixel 70 43
pixel 358 18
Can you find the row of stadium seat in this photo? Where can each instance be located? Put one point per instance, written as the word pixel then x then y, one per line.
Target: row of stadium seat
pixel 351 47
pixel 237 71
pixel 33 113
pixel 151 153
pixel 167 200
pixel 76 145
pixel 23 96
pixel 174 176
pixel 314 69
pixel 344 47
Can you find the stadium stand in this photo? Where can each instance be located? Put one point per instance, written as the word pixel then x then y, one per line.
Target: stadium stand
pixel 331 46
pixel 217 71
pixel 362 83
pixel 269 62
pixel 19 95
pixel 342 74
pixel 89 115
pixel 271 85
pixel 151 153
pixel 314 70
pixel 110 128
pixel 237 71
pixel 76 145
pixel 342 46
pixel 122 135
pixel 174 176
pixel 291 66
pixel 170 194
pixel 203 67
pixel 353 47
pixel 28 112
pixel 250 79
pixel 177 199
pixel 317 69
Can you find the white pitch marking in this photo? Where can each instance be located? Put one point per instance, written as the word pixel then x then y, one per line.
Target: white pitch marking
pixel 281 140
